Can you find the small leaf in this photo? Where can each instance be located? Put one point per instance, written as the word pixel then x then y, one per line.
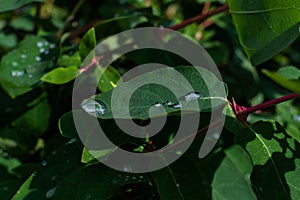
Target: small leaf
pixel 61 75
pixel 235 168
pixel 87 43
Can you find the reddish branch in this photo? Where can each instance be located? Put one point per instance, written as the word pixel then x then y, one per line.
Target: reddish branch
pixel 200 17
pixel 266 104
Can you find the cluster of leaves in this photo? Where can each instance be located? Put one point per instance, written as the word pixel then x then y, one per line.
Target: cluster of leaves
pixel 42 46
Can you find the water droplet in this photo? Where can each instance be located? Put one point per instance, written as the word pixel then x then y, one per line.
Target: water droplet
pixel 46 43
pixel 133 178
pixel 44 163
pixel 52 46
pixel 17 73
pixel 192 96
pixel 157 104
pixel 141 177
pixel 127 168
pixel 297 118
pixel 23 56
pixel 178 105
pixel 150 183
pixel 71 141
pixel 177 185
pixel 5 188
pixel 53 178
pixel 30 75
pixel 37 58
pixel 39 44
pixel 46 52
pixel 50 193
pixel 53 153
pixel 169 103
pixel 15 64
pixel 42 50
pixel 93 107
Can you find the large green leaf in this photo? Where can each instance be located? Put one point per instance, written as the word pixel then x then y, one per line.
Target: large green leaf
pixel 161 98
pixel 14 4
pixel 265 27
pixel 275 157
pixel 21 69
pixel 234 171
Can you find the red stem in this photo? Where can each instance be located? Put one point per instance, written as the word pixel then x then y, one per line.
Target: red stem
pixel 266 104
pixel 199 17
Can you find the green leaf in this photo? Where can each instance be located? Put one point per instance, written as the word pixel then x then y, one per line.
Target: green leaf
pixel 61 75
pixel 36 120
pixel 234 171
pixel 180 180
pixel 108 78
pixel 275 157
pixel 89 156
pixel 67 60
pixel 293 85
pixel 21 69
pixel 289 72
pixel 14 4
pixel 265 27
pixel 205 83
pixel 87 43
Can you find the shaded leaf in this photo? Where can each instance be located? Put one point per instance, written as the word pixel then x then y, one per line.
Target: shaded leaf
pixel 14 4
pixel 265 27
pixel 232 178
pixel 108 78
pixel 87 43
pixel 293 85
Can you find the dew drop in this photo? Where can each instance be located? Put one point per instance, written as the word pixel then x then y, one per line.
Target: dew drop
pixel 71 141
pixel 297 118
pixel 39 44
pixel 169 103
pixel 177 185
pixel 53 178
pixel 15 64
pixel 127 168
pixel 50 193
pixel 23 56
pixel 46 43
pixel 192 96
pixel 37 58
pixel 141 177
pixel 178 105
pixel 17 73
pixel 93 107
pixel 5 188
pixel 133 178
pixel 157 104
pixel 42 50
pixel 44 163
pixel 52 46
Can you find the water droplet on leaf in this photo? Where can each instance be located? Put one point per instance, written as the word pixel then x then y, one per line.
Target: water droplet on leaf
pixel 37 58
pixel 93 107
pixel 297 118
pixel 127 168
pixel 44 163
pixel 39 44
pixel 15 64
pixel 50 193
pixel 23 56
pixel 17 73
pixel 157 104
pixel 192 96
pixel 178 105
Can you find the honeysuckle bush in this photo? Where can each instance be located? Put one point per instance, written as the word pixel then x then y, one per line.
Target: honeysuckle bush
pixel 255 44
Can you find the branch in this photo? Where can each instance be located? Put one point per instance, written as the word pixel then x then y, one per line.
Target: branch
pixel 246 111
pixel 200 17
